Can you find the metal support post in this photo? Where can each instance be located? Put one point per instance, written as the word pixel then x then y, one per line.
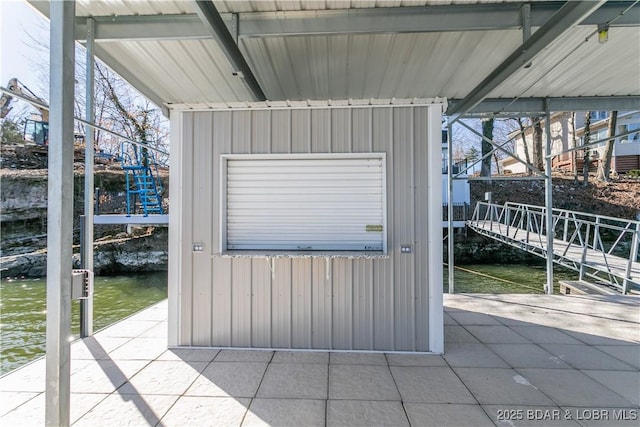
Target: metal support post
pixel 548 199
pixel 450 236
pixel 60 213
pixel 585 248
pixel 86 305
pixel 633 255
pixel 525 17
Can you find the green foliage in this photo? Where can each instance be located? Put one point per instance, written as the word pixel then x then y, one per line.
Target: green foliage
pixel 634 173
pixel 10 133
pixel 472 153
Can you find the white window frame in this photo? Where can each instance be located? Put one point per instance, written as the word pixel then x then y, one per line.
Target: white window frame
pixel 224 158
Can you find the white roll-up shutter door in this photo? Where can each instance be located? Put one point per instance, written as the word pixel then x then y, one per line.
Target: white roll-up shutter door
pixel 311 202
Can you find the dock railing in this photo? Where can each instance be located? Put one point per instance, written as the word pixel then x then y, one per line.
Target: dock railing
pixel 460 212
pixel 601 247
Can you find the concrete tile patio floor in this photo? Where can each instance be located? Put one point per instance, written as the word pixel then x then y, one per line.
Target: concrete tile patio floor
pixel 509 360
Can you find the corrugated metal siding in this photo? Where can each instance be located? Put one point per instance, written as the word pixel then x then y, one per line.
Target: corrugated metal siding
pixel 374 304
pixel 202 229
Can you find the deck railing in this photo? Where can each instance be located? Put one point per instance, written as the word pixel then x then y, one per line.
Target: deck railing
pixel 602 247
pixel 461 212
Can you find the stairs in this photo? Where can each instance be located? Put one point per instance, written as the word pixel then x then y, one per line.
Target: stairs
pixel 144 188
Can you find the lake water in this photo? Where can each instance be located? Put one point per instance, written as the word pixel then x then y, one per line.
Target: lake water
pixel 23 311
pixel 504 279
pixel 23 307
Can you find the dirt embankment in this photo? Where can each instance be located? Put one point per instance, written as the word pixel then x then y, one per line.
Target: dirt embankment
pixel 619 198
pixel 23 221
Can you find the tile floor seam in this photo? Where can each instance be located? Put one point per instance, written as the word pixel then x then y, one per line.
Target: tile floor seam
pixel 634 369
pixel 617 358
pixel 604 385
pixel 523 374
pixel 482 341
pixel 115 348
pixel 539 346
pixel 562 311
pixel 180 396
pixel 92 408
pixel 583 342
pixel 132 376
pixel 469 390
pixel 23 403
pixel 255 395
pixel 594 348
pixel 395 383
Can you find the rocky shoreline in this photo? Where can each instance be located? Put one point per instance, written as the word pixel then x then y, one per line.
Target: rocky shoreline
pixel 123 255
pixel 149 253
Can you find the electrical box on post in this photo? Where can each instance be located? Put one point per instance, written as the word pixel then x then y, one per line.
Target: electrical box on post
pixel 81 284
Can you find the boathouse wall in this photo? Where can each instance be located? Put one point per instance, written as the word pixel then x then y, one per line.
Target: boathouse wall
pixel 384 300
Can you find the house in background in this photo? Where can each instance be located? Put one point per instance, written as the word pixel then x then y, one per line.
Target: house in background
pixel 461 194
pixel 626 151
pixel 567 131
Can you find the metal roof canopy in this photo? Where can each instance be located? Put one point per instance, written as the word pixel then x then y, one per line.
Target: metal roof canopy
pixel 168 52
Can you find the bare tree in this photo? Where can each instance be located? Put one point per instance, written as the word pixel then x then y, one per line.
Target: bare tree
pixel 585 141
pixel 574 154
pixel 537 143
pixel 487 133
pixel 604 167
pixel 496 159
pixel 525 146
pixel 117 106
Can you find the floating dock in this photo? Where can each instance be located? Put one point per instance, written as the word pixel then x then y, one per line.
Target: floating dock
pixel 506 355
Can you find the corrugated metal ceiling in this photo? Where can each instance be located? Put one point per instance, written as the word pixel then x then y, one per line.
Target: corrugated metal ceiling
pixel 400 65
pixel 577 65
pixel 377 66
pixel 136 7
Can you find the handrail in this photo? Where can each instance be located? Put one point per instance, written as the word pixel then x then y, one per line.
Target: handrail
pixel 580 243
pixel 573 212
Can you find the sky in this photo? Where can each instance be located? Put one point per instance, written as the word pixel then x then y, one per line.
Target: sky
pixel 19 23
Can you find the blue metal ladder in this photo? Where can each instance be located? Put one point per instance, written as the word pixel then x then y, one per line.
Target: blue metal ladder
pixel 142 180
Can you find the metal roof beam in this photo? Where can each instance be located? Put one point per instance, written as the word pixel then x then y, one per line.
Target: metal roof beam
pixel 216 25
pixel 536 106
pixel 144 27
pixel 480 17
pixel 568 16
pixel 419 19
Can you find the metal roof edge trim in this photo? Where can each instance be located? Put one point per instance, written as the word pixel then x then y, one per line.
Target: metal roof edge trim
pixel 311 104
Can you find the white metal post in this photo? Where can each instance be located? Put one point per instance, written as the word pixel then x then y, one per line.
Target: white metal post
pixel 60 213
pixel 450 236
pixel 86 305
pixel 548 199
pixel 633 255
